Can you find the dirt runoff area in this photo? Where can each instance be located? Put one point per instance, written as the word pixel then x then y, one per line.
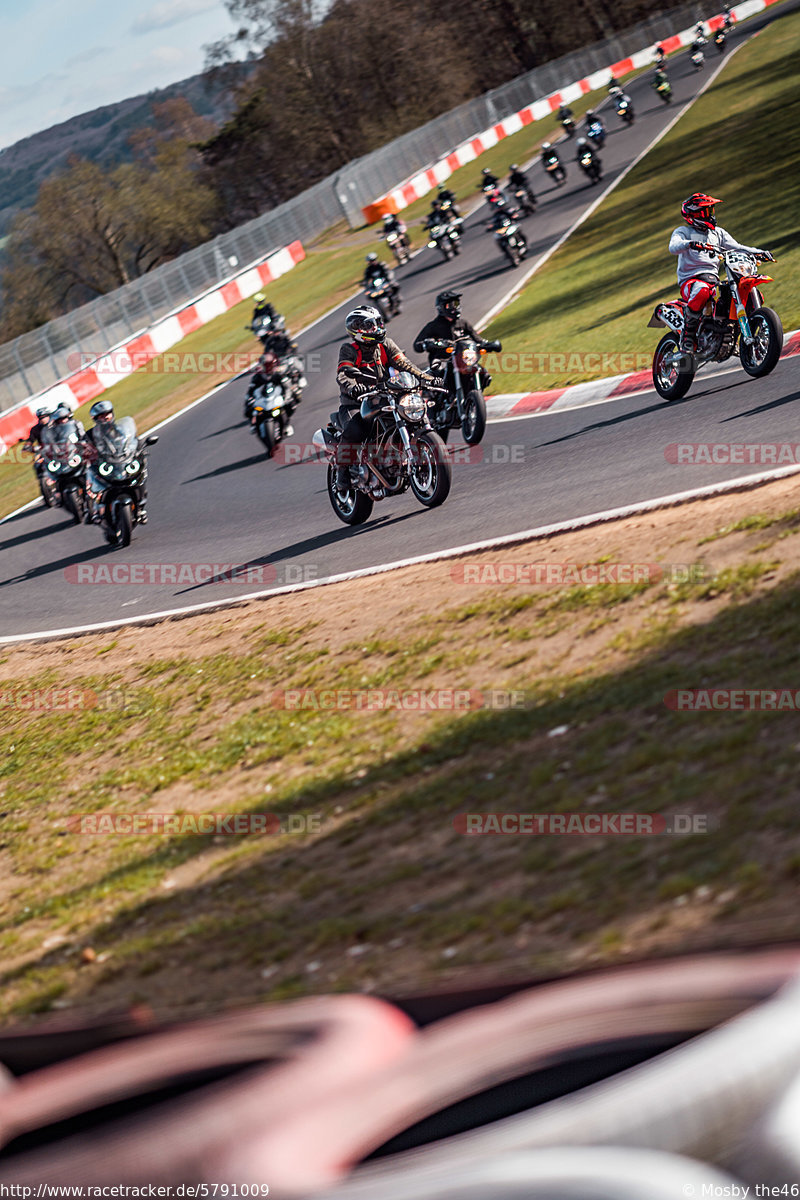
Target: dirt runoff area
pixel 644 664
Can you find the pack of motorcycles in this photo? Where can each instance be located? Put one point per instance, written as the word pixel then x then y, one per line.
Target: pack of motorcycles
pixel 410 426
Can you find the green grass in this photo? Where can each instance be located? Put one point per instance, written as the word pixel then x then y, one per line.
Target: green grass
pixel 596 294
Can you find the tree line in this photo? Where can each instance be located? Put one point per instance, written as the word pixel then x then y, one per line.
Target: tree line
pixel 326 83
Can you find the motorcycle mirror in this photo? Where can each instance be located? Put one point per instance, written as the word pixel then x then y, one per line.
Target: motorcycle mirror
pixel 151 440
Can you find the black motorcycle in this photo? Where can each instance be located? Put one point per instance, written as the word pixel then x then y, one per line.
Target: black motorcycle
pixel 121 468
pixel 719 40
pixel 445 235
pixel 270 410
pixel 568 125
pixel 510 238
pixel 402 451
pixel 463 405
pixel 554 168
pixel 524 201
pixel 596 133
pixel 64 469
pixel 266 327
pixel 384 296
pixel 591 164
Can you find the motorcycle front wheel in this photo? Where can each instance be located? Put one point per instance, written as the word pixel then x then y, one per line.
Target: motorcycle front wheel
pixel 473 426
pixel 762 356
pixel 431 473
pixel 47 494
pixel 74 505
pixel 670 379
pixel 123 524
pixel 266 434
pixel 352 507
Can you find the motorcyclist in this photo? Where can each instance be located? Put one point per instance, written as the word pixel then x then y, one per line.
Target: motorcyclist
pixel 447 326
pixel 33 442
pixel 659 77
pixel 364 362
pixel 446 196
pixel 518 182
pixel 375 269
pixel 593 119
pixel 270 370
pixel 549 154
pixel 565 115
pixel 263 308
pixel 584 146
pixel 102 413
pixel 660 55
pixel 280 344
pixel 695 243
pixel 489 179
pixel 700 32
pixel 393 224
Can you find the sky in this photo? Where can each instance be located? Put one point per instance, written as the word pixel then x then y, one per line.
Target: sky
pixel 58 60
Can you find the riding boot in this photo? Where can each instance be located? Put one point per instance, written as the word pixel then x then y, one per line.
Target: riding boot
pixel 691 322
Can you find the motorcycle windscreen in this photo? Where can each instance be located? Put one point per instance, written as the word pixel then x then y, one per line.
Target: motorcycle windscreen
pixel 402 381
pixel 61 441
pixel 116 441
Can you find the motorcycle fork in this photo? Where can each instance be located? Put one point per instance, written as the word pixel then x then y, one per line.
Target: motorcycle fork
pixel 741 315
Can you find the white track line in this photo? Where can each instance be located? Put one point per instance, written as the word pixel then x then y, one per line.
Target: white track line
pixel 629 510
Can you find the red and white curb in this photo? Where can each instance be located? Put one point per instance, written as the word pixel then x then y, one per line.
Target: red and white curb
pixel 420 184
pixel 119 362
pixel 596 391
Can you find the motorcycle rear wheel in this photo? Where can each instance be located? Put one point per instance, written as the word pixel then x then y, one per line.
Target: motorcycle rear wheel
pixel 670 381
pixel 762 357
pixel 431 473
pixel 352 507
pixel 473 426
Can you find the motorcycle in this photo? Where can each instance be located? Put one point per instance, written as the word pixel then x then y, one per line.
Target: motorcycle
pixel 623 106
pixel 555 169
pixel 384 296
pixel 591 164
pixel 122 468
pixel 524 202
pixel 399 244
pixel 719 40
pixel 446 237
pixel 568 125
pixel 698 58
pixel 264 327
pixel 664 90
pixel 464 405
pixel 270 411
pixel 511 239
pixel 734 322
pixel 402 451
pixel 64 469
pixel 597 133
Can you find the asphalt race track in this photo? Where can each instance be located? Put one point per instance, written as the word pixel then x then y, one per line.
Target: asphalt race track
pixel 214 499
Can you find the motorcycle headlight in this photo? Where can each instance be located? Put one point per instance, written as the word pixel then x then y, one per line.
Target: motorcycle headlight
pixel 75 461
pixel 133 466
pixel 469 356
pixel 54 465
pixel 276 412
pixel 412 406
pixel 105 469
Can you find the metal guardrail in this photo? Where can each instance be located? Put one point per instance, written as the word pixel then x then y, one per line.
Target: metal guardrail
pixel 37 360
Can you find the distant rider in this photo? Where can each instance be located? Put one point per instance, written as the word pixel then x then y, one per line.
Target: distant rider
pixel 446 196
pixel 698 269
pixel 33 442
pixel 364 362
pixel 271 371
pixel 446 327
pixel 375 269
pixel 518 182
pixel 393 224
pixel 489 179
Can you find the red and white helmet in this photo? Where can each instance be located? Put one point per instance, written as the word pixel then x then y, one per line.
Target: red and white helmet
pixel 698 211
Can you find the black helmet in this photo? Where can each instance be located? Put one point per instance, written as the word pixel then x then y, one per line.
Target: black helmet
pixel 41 413
pixel 102 408
pixel 365 325
pixel 448 304
pixel 62 413
pixel 591 115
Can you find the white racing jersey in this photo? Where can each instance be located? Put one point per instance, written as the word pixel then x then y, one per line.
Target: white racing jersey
pixel 692 263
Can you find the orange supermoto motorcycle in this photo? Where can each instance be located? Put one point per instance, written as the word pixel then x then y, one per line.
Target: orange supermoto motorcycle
pixel 734 321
